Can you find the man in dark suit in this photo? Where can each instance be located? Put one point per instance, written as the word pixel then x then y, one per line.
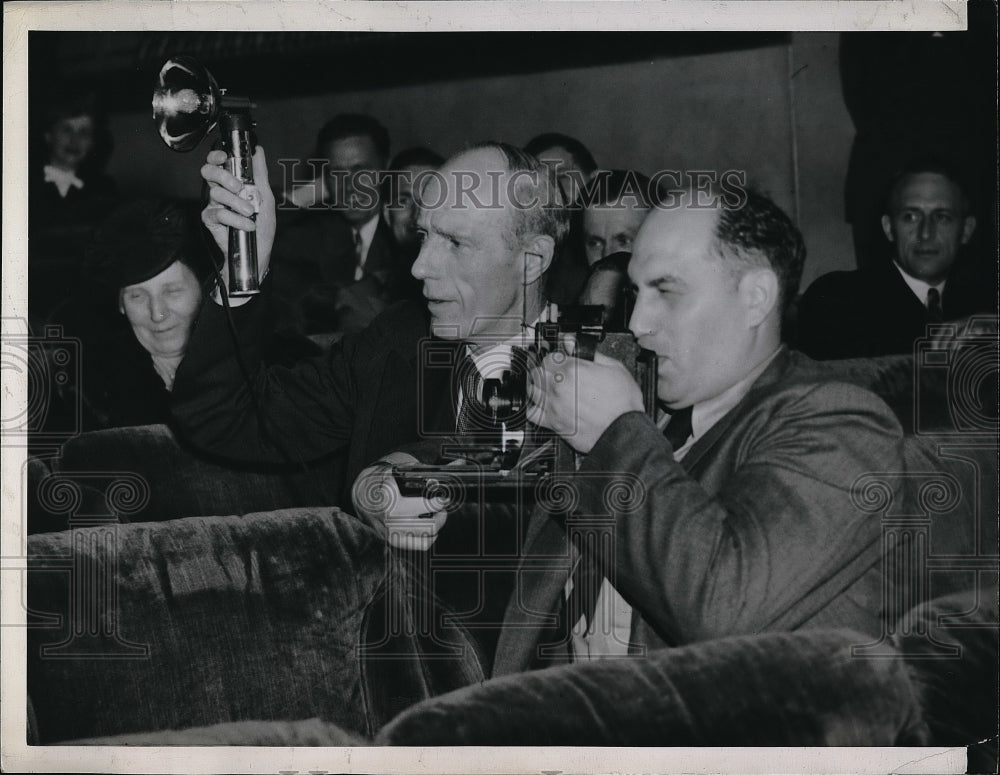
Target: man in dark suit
pixel 337 264
pixel 366 397
pixel 482 268
pixel 925 278
pixel 736 516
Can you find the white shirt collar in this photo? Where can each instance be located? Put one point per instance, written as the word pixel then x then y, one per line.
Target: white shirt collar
pixel 918 286
pixel 63 179
pixel 494 359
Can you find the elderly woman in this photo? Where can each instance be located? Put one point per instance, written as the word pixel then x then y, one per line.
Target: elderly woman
pixel 149 270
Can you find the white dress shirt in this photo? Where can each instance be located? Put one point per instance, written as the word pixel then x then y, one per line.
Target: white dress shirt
pixel 64 179
pixel 918 286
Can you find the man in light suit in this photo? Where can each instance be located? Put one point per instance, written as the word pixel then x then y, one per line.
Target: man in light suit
pixel 745 522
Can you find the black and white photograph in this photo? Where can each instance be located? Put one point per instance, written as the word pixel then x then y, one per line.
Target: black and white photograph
pixel 500 387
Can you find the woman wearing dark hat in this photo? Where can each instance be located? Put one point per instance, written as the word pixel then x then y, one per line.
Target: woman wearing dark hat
pixel 147 270
pixel 160 297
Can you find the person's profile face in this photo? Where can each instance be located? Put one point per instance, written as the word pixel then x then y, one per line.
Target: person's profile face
pixel 611 229
pixel 70 141
pixel 471 272
pixel 352 178
pixel 927 226
pixel 401 213
pixel 162 309
pixel 687 307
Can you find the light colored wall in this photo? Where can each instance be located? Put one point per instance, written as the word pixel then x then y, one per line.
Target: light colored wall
pixel 729 110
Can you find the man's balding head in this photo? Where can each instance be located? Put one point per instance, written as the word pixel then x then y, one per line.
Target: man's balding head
pixel 712 284
pixel 491 219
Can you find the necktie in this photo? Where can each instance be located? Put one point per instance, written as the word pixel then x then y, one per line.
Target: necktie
pixel 934 305
pixel 359 270
pixel 467 376
pixel 678 429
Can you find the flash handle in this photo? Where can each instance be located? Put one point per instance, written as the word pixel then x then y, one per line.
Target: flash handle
pixel 238 140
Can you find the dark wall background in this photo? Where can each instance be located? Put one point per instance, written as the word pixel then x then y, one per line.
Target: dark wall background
pixel 769 104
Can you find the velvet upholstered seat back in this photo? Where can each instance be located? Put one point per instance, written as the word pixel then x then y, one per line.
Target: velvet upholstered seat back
pixel 199 621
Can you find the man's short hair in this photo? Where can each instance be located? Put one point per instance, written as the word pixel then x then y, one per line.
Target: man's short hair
pixel 756 233
pixel 618 188
pixel 353 125
pixel 928 164
pixel 416 157
pixel 583 158
pixel 547 213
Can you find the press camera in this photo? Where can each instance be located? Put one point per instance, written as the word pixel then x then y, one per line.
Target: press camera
pixel 507 458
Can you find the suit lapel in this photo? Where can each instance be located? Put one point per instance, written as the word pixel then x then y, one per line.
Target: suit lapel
pixel 775 370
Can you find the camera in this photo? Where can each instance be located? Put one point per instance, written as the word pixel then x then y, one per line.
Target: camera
pixel 504 457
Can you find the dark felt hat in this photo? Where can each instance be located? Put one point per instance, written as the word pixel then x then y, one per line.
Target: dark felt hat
pixel 140 239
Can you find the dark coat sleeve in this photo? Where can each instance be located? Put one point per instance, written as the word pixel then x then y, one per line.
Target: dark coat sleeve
pixel 226 400
pixel 776 537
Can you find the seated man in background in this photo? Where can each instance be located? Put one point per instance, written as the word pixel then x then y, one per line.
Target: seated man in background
pixel 570 160
pixel 924 278
pixel 740 516
pixel 338 264
pixel 614 208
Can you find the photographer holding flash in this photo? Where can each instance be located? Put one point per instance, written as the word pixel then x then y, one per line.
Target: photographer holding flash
pixel 744 520
pixel 482 265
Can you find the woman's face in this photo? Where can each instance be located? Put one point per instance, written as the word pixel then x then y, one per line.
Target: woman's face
pixel 162 309
pixel 70 141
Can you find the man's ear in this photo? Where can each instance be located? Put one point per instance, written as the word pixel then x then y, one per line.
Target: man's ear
pixel 968 228
pixel 887 228
pixel 538 251
pixel 759 290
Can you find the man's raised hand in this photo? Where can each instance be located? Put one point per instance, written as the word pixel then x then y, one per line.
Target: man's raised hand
pixel 230 207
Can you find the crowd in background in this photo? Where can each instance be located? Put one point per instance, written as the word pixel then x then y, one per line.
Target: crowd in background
pixel 343 255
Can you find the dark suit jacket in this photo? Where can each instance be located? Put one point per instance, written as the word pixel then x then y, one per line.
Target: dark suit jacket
pixel 872 311
pixel 754 530
pixel 313 265
pixel 361 399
